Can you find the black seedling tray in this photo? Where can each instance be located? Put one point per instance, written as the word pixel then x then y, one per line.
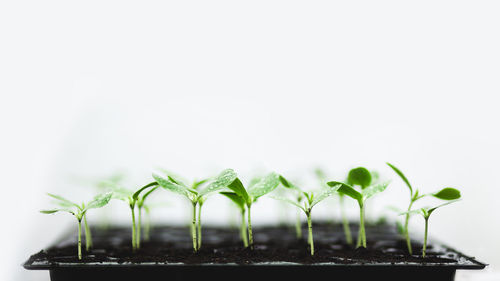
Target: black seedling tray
pixel 278 254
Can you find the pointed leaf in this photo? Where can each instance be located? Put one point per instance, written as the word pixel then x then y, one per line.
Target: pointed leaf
pixel 238 200
pixel 224 179
pixel 100 201
pixel 169 185
pixel 401 175
pixel 175 178
pixel 138 192
pixel 122 194
pixel 197 184
pixel 327 192
pixel 52 211
pixel 63 201
pixel 411 212
pixel 240 190
pixel 264 186
pixel 347 190
pixel 429 211
pixel 447 194
pixel 289 201
pixel 374 189
pixel 359 176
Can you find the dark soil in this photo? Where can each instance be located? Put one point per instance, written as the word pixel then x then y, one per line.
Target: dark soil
pixel 169 244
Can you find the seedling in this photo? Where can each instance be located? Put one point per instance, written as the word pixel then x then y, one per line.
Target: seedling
pixel 140 207
pixel 250 195
pixel 79 211
pixel 444 194
pixel 321 175
pixel 309 203
pixel 133 198
pixel 196 196
pixel 427 211
pixel 241 204
pixel 361 177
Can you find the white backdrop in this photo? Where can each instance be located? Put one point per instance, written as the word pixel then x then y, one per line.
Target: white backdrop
pixel 89 88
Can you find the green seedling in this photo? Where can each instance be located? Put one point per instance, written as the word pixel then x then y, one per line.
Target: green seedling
pixel 321 175
pixel 252 193
pixel 444 194
pixel 140 207
pixel 133 198
pixel 241 204
pixel 309 203
pixel 79 211
pixel 196 195
pixel 427 211
pixel 361 177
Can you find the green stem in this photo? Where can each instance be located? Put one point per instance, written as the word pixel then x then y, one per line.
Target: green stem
pixel 425 237
pixel 139 223
pixel 310 236
pixel 193 229
pixel 134 246
pixel 345 222
pixel 243 229
pixel 79 239
pixel 250 234
pixel 147 226
pixel 406 231
pixel 88 234
pixel 362 234
pixel 298 225
pixel 199 226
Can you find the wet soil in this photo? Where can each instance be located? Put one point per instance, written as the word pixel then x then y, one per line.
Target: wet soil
pixel 173 244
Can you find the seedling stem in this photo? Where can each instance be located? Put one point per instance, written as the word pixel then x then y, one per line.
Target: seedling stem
pixel 79 239
pixel 88 234
pixel 250 234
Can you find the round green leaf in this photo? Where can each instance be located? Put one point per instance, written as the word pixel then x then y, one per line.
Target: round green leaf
pixel 447 194
pixel 359 176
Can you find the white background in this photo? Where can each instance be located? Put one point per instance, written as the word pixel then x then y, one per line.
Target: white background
pixel 89 88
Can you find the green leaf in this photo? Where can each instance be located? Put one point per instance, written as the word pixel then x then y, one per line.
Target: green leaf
pixel 412 212
pixel 52 211
pixel 148 193
pixel 122 194
pixel 169 185
pixel 224 179
pixel 138 192
pixel 401 175
pixel 238 200
pixel 359 176
pixel 197 184
pixel 289 201
pixel 374 189
pixel 285 182
pixel 347 190
pixel 327 192
pixel 63 201
pixel 240 190
pixel 264 186
pixel 99 201
pixel 175 178
pixel 447 194
pixel 429 211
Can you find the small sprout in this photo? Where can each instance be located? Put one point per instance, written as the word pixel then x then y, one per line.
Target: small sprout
pixel 196 195
pixel 140 207
pixel 257 189
pixel 309 203
pixel 241 204
pixel 427 211
pixel 362 177
pixel 79 211
pixel 132 198
pixel 321 175
pixel 444 194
